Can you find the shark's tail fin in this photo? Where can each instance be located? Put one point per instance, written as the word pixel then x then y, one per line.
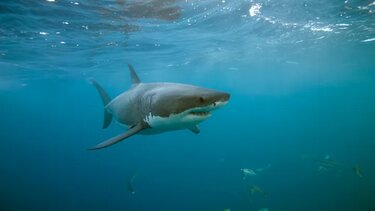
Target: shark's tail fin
pixel 105 99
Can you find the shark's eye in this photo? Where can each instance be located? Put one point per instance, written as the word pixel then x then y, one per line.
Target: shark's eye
pixel 201 99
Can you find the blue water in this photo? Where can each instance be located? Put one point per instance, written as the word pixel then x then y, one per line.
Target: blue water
pixel 301 76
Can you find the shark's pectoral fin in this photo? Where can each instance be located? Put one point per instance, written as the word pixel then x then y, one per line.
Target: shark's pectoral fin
pixel 194 129
pixel 119 138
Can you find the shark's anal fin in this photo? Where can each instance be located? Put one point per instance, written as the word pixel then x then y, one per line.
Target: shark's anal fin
pixel 195 129
pixel 119 138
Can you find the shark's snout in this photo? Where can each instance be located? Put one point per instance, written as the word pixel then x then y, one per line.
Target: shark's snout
pixel 210 102
pixel 215 98
pixel 225 97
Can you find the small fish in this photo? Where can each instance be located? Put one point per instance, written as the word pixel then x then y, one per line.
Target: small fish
pixel 264 168
pixel 328 163
pixel 263 209
pixel 358 171
pixel 255 189
pixel 226 209
pixel 247 172
pixel 130 183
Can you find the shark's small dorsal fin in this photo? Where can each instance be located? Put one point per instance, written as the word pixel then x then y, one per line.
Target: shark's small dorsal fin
pixel 133 75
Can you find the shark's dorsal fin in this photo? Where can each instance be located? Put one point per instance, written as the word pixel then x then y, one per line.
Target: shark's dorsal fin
pixel 133 75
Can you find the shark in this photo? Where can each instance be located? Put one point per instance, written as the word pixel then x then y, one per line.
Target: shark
pixel 153 108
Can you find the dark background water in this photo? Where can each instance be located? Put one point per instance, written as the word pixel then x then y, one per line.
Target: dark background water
pixel 302 82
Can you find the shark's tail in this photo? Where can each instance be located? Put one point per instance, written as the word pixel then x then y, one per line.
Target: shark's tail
pixel 105 99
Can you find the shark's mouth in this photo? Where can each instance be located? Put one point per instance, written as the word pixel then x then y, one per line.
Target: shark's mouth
pixel 200 113
pixel 206 111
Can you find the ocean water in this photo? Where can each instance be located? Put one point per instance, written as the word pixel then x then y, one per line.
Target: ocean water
pixel 301 75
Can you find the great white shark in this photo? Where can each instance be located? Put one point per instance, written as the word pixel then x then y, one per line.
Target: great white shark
pixel 152 108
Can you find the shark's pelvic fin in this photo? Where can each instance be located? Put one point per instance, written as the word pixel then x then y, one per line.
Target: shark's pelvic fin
pixel 119 138
pixel 133 75
pixel 105 99
pixel 195 129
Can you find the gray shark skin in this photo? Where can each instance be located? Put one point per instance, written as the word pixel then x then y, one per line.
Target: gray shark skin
pixel 152 108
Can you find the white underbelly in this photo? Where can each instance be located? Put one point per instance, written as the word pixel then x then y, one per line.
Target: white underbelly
pixel 173 122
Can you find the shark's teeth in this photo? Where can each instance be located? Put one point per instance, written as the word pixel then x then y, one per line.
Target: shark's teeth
pixel 200 113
